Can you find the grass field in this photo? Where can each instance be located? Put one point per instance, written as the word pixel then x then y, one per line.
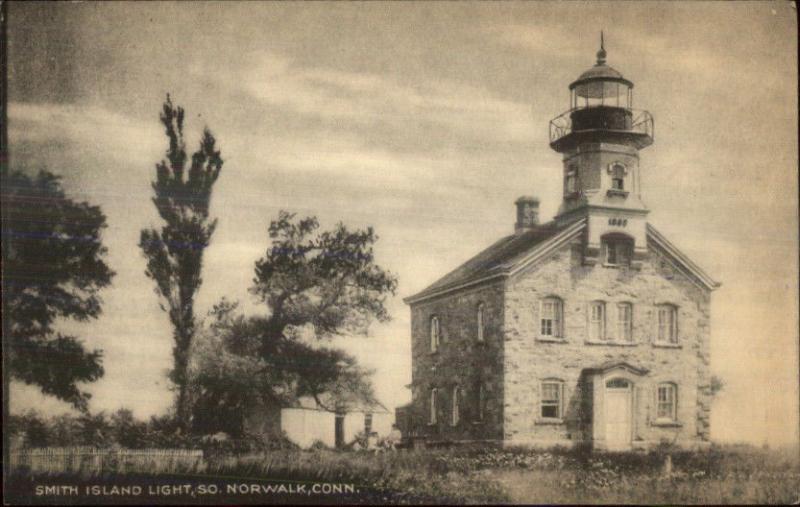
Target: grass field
pixel 462 475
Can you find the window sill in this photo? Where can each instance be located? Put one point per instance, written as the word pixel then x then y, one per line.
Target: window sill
pixel 549 420
pixel 433 353
pixel 546 339
pixel 666 424
pixel 618 192
pixel 478 422
pixel 667 345
pixel 611 343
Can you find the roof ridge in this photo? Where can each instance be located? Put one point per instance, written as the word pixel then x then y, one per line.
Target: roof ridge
pixel 495 260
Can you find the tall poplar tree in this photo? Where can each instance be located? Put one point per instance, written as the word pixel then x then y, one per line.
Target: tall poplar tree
pixel 175 253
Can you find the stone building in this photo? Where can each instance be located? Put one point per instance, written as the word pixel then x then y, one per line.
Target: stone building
pixel 591 328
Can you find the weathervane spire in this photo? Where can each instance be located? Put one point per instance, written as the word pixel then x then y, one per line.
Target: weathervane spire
pixel 601 55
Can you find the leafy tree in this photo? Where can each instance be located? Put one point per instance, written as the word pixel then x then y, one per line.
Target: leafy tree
pixel 327 280
pixel 53 267
pixel 165 431
pixel 317 285
pixel 32 426
pixel 175 253
pixel 65 430
pixel 127 431
pixel 94 430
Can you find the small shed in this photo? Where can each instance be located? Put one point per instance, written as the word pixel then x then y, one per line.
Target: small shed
pixel 308 421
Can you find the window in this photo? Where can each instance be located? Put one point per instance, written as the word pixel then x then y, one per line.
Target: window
pixel 625 322
pixel 618 383
pixel 480 322
pixel 552 312
pixel 667 324
pixel 618 251
pixel 432 418
pixel 597 321
pixel 481 401
pixel 455 415
pixel 667 402
pixel 618 172
pixel 367 423
pixel 571 181
pixel 434 334
pixel 552 393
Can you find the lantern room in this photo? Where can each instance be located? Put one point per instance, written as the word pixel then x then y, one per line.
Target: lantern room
pixel 601 86
pixel 601 110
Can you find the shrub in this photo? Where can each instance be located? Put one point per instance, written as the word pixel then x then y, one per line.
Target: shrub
pixel 319 445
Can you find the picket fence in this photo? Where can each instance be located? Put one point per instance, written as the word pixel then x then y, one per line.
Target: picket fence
pixel 91 459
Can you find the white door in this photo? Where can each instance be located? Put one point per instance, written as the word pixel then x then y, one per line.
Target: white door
pixel 618 419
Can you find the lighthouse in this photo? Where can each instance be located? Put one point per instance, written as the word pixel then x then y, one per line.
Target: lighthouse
pixel 600 137
pixel 590 328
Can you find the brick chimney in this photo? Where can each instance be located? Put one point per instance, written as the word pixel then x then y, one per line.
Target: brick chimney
pixel 527 214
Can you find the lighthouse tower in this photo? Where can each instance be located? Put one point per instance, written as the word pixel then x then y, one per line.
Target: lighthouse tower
pixel 600 137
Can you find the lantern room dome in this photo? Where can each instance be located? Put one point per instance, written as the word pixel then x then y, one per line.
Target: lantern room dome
pixel 601 83
pixel 600 71
pixel 599 79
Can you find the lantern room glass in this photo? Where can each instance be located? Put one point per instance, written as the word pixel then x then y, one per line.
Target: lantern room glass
pixel 597 92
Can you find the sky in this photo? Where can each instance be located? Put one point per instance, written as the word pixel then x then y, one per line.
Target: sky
pixel 426 121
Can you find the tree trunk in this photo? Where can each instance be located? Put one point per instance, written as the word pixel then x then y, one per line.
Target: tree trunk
pixel 180 378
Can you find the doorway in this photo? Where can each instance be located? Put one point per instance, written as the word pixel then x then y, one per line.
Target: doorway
pixel 339 430
pixel 618 414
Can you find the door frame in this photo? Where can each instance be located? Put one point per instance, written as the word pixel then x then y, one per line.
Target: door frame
pixel 628 390
pixel 338 430
pixel 597 378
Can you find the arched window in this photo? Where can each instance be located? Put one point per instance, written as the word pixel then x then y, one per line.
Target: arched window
pixel 667 324
pixel 434 333
pixel 551 399
pixel 667 402
pixel 571 180
pixel 432 408
pixel 455 414
pixel 617 249
pixel 480 400
pixel 625 322
pixel 618 383
pixel 480 318
pixel 597 321
pixel 618 172
pixel 552 312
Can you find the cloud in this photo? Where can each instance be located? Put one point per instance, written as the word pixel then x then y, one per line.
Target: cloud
pixel 366 98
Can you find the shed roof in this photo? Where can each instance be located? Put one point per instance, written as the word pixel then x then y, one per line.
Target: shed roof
pixel 345 405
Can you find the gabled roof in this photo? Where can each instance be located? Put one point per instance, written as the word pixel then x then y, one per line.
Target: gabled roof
pixel 501 258
pixel 692 269
pixel 515 252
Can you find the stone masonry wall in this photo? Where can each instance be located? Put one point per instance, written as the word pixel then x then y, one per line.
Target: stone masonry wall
pixel 460 361
pixel 529 359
